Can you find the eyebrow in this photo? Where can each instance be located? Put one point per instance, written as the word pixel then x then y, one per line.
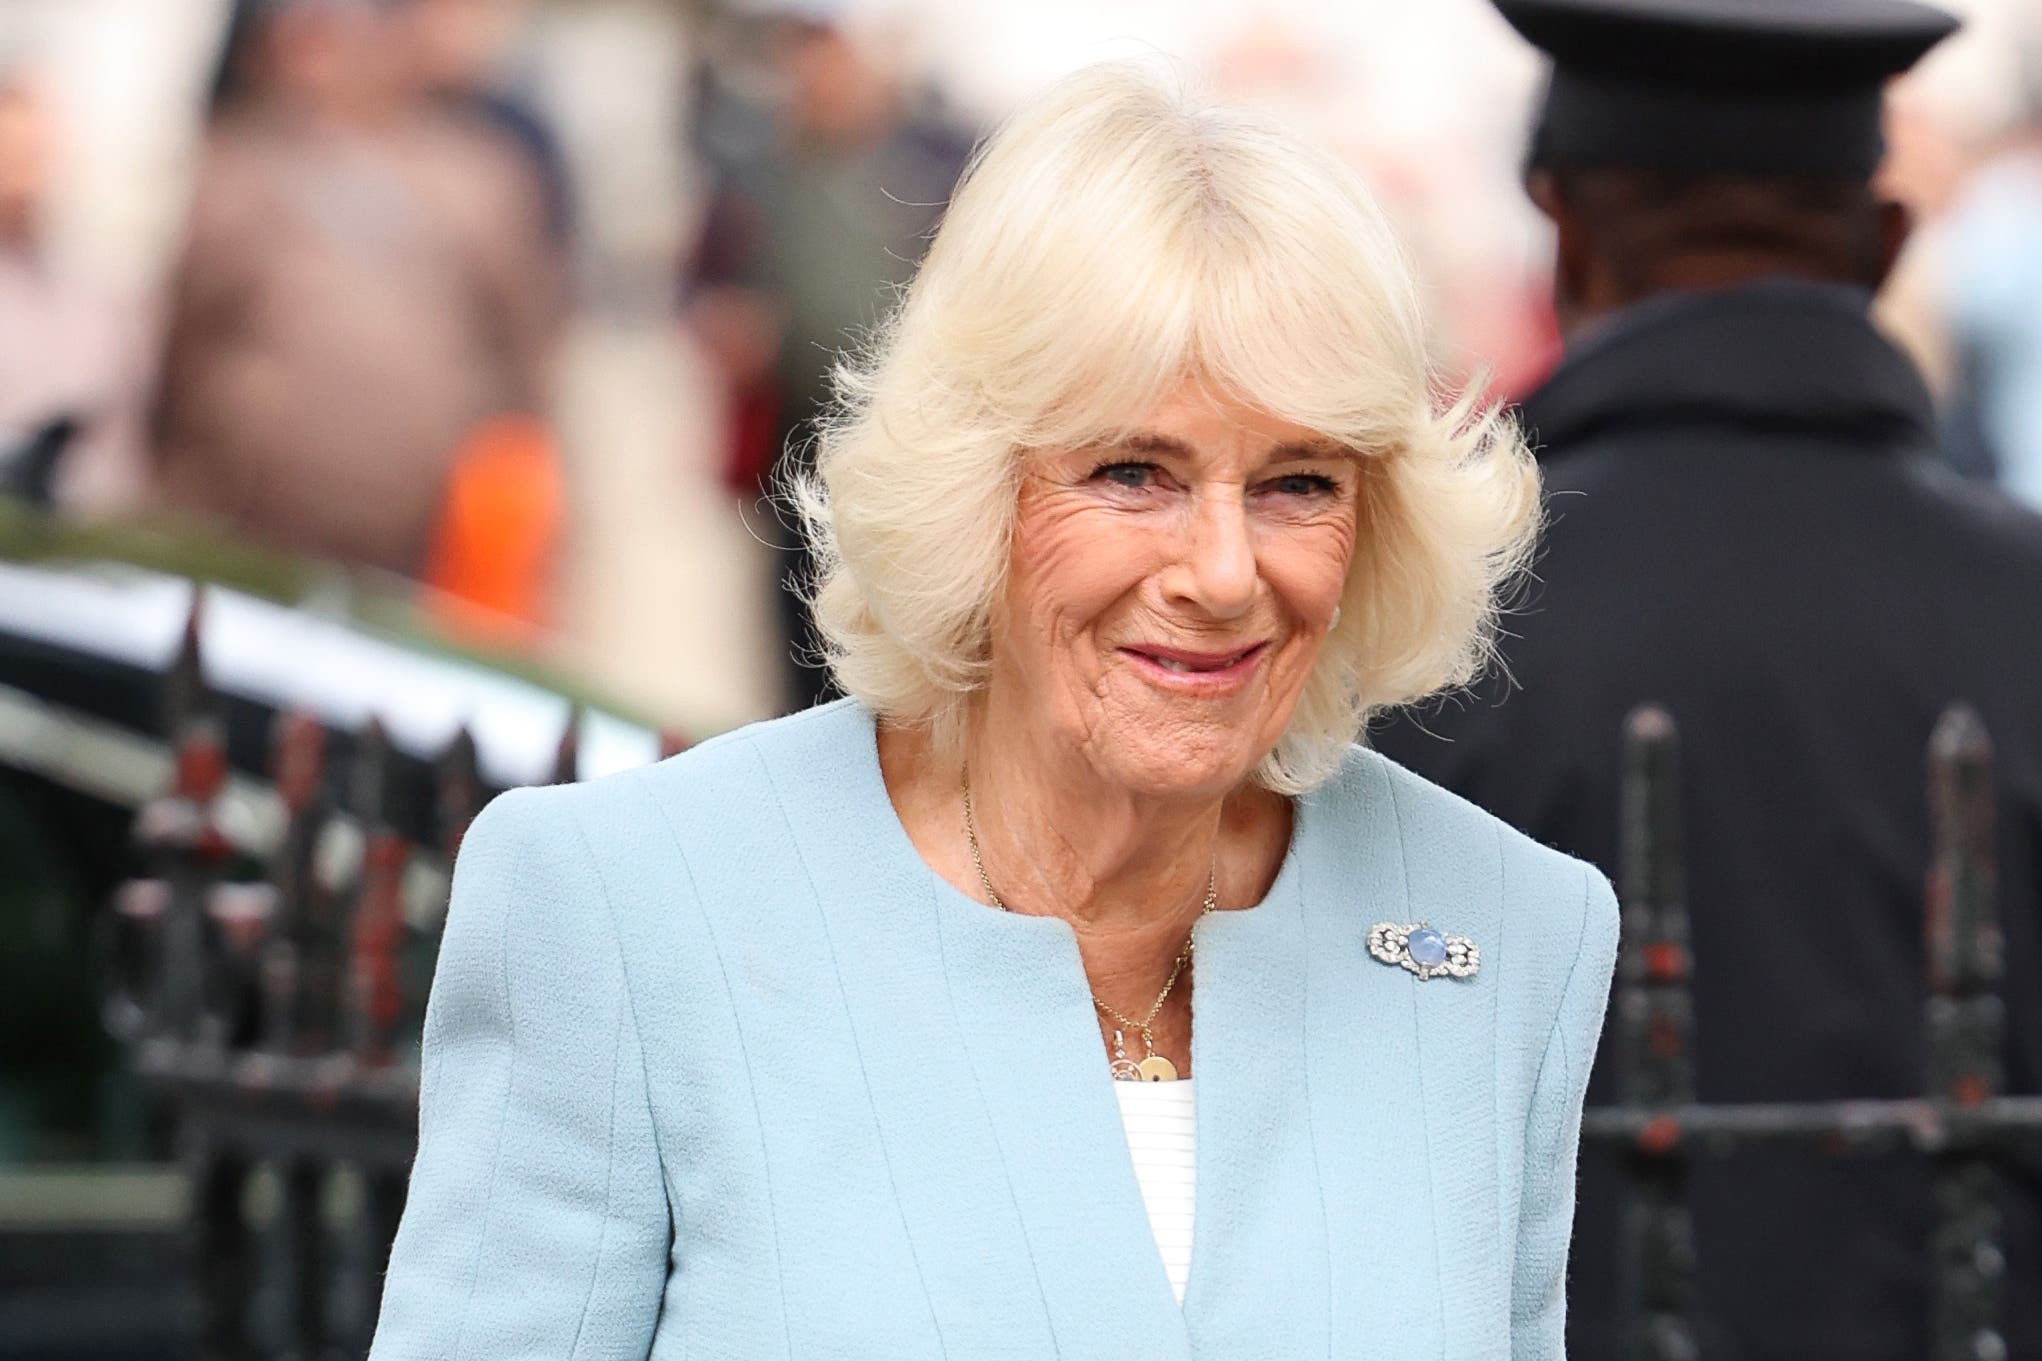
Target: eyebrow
pixel 1152 442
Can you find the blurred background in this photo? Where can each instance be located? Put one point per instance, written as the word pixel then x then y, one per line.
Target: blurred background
pixel 457 342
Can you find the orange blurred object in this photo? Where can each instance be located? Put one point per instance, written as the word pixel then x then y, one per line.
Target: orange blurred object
pixel 495 548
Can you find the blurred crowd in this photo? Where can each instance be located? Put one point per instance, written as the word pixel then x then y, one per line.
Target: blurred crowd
pixel 371 287
pixel 351 348
pixel 1987 234
pixel 354 350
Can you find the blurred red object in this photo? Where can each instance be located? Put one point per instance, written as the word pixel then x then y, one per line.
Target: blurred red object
pixel 754 446
pixel 496 544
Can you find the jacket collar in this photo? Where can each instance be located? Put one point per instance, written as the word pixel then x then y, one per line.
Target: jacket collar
pixel 1780 354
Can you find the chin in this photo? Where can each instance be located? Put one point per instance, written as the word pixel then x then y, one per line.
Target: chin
pixel 1170 747
pixel 1154 764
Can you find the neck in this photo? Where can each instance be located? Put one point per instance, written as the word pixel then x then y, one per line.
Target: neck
pixel 1126 870
pixel 1061 837
pixel 1699 272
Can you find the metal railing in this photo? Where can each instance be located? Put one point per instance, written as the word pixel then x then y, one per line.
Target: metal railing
pixel 276 1003
pixel 1962 1121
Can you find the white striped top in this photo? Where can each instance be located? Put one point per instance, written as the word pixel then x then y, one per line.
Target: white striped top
pixel 1160 1137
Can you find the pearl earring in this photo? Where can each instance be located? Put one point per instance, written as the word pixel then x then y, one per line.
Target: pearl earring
pixel 1334 622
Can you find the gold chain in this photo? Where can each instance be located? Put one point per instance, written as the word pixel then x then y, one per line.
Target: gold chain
pixel 1144 1025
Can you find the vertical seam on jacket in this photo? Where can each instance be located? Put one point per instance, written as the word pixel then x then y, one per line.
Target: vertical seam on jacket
pixel 625 1012
pixel 624 969
pixel 978 1087
pixel 857 1050
pixel 1496 1050
pixel 744 1053
pixel 1556 1035
pixel 510 1017
pixel 1006 1165
pixel 609 1189
pixel 1305 1069
pixel 1556 1039
pixel 1418 1072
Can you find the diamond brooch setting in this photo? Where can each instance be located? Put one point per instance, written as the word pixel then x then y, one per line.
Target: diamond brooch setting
pixel 1427 952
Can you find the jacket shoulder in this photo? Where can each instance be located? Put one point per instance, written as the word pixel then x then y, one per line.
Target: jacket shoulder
pixel 1435 825
pixel 1430 814
pixel 716 783
pixel 711 785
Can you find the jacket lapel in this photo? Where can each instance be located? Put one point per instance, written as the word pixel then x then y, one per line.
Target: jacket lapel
pixel 1399 1125
pixel 1259 1255
pixel 1453 1026
pixel 989 1089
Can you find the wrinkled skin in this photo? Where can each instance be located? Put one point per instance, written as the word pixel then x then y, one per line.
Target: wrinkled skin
pixel 1231 530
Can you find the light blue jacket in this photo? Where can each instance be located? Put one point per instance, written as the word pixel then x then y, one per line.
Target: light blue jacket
pixel 716 1067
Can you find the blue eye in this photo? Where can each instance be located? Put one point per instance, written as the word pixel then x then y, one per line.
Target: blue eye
pixel 1303 484
pixel 1135 475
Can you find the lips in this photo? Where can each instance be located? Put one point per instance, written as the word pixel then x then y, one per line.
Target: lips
pixel 1193 663
pixel 1196 672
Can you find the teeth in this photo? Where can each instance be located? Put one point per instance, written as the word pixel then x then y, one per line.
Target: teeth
pixel 1186 668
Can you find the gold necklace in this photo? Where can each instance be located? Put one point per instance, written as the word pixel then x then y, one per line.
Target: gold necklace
pixel 1153 1066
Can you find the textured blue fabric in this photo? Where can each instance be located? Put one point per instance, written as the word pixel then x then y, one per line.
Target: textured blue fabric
pixel 717 1067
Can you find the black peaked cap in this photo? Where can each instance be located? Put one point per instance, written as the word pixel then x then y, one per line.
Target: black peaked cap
pixel 1764 87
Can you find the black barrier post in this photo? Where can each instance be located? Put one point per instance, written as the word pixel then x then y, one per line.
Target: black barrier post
pixel 375 936
pixel 291 1024
pixel 1655 1023
pixel 1966 1028
pixel 180 833
pixel 567 756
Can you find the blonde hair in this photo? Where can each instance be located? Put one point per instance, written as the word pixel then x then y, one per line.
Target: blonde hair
pixel 1110 240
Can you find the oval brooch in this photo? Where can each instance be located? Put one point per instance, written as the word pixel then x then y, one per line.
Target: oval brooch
pixel 1423 950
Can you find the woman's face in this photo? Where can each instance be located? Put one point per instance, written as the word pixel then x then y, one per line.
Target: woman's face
pixel 1168 594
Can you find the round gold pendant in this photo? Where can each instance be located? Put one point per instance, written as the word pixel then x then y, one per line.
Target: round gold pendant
pixel 1156 1068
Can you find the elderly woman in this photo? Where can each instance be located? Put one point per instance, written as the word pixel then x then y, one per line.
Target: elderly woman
pixel 805 1043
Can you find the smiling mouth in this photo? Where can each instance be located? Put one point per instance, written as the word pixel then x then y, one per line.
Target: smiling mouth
pixel 1180 662
pixel 1196 668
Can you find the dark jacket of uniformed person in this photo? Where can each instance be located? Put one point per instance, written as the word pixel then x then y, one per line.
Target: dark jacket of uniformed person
pixel 1748 527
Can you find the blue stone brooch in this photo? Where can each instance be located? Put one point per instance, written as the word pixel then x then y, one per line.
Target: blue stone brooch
pixel 1424 951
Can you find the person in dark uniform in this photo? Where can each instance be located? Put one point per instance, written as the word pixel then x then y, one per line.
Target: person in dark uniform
pixel 1749 526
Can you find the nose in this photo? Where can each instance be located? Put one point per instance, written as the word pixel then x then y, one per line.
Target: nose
pixel 1216 572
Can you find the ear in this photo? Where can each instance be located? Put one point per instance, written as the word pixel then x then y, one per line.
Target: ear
pixel 1572 253
pixel 1895 225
